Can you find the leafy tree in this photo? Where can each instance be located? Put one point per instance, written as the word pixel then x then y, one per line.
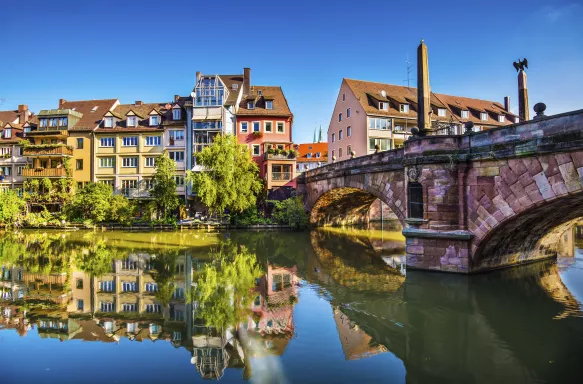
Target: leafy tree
pixel 164 190
pixel 91 203
pixel 291 212
pixel 121 209
pixel 224 287
pixel 12 208
pixel 230 177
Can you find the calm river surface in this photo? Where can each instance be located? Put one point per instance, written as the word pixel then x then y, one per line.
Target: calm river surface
pixel 323 306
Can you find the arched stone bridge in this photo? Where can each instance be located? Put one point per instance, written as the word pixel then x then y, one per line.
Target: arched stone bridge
pixel 488 198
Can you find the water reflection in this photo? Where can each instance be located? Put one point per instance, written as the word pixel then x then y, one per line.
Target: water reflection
pixel 272 307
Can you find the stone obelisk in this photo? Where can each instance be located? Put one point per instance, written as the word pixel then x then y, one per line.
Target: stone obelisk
pixel 522 96
pixel 423 90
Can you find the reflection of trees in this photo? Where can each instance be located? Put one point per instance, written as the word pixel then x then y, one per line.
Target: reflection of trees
pixel 164 265
pixel 95 261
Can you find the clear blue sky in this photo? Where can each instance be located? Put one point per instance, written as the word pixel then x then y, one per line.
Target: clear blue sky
pixel 141 51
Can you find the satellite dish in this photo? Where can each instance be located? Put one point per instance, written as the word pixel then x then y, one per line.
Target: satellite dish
pixel 384 93
pixel 192 94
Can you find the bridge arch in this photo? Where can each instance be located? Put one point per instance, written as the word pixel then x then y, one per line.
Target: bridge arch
pixel 521 216
pixel 347 200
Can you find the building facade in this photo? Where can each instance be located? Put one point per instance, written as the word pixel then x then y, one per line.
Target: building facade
pixel 311 156
pixel 12 161
pixel 370 115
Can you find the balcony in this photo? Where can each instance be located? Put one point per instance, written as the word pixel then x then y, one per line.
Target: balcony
pixel 48 131
pixel 273 156
pixel 44 172
pixel 281 176
pixel 34 150
pixel 135 193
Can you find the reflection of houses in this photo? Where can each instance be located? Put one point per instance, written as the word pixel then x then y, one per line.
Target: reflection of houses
pixel 356 343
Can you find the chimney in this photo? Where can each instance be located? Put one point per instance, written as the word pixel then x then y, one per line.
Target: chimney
pixel 176 98
pixel 138 102
pixel 423 90
pixel 507 103
pixel 246 80
pixel 61 102
pixel 197 76
pixel 23 113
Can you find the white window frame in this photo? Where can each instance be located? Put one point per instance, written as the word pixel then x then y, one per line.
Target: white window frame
pixel 501 118
pixel 265 123
pixel 465 114
pixel 441 112
pixel 253 147
pixel 348 131
pixel 129 137
pixel 258 125
pixel 484 116
pixel 176 114
pixel 108 161
pixel 250 105
pixel 277 125
pixel 383 106
pixel 179 180
pixel 107 138
pixel 159 141
pixel 133 162
pixel 151 160
pixel 7 133
pixel 108 122
pixel 135 121
pixel 268 104
pixel 173 152
pixel 246 125
pixel 404 108
pixel 152 120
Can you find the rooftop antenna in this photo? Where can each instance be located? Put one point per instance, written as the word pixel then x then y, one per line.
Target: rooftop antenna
pixel 408 67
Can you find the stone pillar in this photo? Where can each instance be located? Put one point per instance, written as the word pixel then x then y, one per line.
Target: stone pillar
pixel 423 90
pixel 523 97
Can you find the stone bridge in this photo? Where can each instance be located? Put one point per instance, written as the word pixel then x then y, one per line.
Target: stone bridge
pixel 480 201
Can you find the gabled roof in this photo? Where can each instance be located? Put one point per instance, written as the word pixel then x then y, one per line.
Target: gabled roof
pixel 312 148
pixel 8 116
pixel 269 93
pixel 90 118
pixel 364 91
pixel 142 111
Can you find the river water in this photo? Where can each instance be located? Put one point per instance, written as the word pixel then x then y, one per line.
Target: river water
pixel 332 305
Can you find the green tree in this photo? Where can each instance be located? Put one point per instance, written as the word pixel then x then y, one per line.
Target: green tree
pixel 91 203
pixel 291 212
pixel 164 190
pixel 121 209
pixel 224 287
pixel 230 177
pixel 12 208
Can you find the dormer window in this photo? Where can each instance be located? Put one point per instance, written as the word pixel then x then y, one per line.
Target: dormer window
pixel 108 122
pixel 63 121
pixel 176 114
pixel 404 108
pixel 309 155
pixel 53 122
pixel 7 133
pixel 318 154
pixel 383 106
pixel 465 114
pixel 27 129
pixel 269 105
pixel 483 116
pixel 250 105
pixel 235 86
pixel 441 112
pixel 260 93
pixel 131 122
pixel 501 118
pixel 43 122
pixel 154 120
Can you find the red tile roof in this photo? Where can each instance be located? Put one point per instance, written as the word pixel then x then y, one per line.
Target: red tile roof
pixel 366 92
pixel 268 93
pixel 142 112
pixel 312 148
pixel 91 118
pixel 8 117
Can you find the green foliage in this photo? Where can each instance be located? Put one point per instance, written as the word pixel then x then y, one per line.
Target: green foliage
pixel 224 287
pixel 230 179
pixel 164 190
pixel 96 261
pixel 250 216
pixel 41 219
pixel 291 212
pixel 121 209
pixel 12 208
pixel 91 203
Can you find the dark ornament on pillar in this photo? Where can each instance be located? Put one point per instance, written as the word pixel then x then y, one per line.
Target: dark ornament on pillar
pixel 539 108
pixel 415 131
pixel 377 148
pixel 468 126
pixel 413 172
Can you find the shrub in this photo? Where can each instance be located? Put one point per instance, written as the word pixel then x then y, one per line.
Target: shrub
pixel 291 212
pixel 250 216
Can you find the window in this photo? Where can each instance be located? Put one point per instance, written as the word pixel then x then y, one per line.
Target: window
pixel 268 127
pixel 43 122
pixel 126 187
pixel 404 108
pixel 333 153
pixel 129 162
pixel 107 182
pixel 129 307
pixel 269 105
pixel 151 287
pixel 179 181
pixel 175 136
pixel 280 127
pixel 384 144
pixel 348 112
pixel 343 96
pixel 383 106
pixel 256 126
pixel 176 114
pixel 147 184
pixel 379 123
pixel 340 135
pixel 250 105
pixel 348 131
pixel 501 118
pixel 177 156
pixel 483 116
pixel 259 92
pixel 80 143
pixel 19 171
pixel 62 121
pixel 131 122
pixel 79 283
pixel 340 152
pixel 244 127
pixel 309 155
pixel 107 162
pixel 153 141
pixel 209 91
pixel 256 149
pixel 154 120
pixel 281 172
pixel 107 307
pixel 465 114
pixel 441 112
pixel 106 142
pixel 178 293
pixel 129 141
pixel 7 133
pixel 153 308
pixel 53 122
pixel 107 286
pixel 79 163
pixel 415 200
pixel 108 122
pixel 150 162
pixel 348 150
pixel 80 304
pixel 318 154
pixel 27 129
pixel 129 286
pixel 208 124
pixel 235 86
pixel 340 117
pixel 333 137
pixel 516 119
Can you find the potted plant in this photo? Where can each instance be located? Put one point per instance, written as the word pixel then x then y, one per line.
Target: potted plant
pixel 257 135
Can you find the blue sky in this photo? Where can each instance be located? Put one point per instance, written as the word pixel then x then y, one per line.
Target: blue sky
pixel 136 50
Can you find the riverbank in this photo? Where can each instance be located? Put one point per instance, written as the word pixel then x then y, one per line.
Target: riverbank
pixel 164 227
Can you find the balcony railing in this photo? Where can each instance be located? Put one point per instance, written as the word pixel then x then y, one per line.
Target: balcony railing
pixel 44 172
pixel 47 151
pixel 281 176
pixel 134 193
pixel 48 131
pixel 269 156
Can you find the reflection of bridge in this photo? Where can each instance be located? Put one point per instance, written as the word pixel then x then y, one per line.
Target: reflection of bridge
pixel 484 200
